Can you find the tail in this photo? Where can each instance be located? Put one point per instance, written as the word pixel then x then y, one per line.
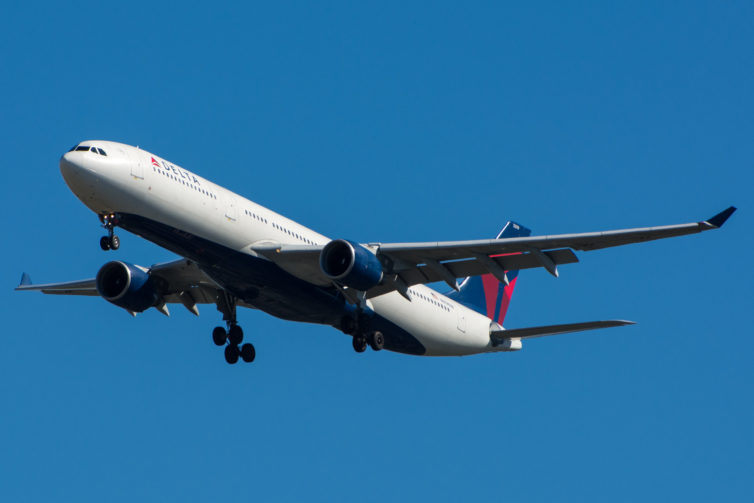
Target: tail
pixel 483 293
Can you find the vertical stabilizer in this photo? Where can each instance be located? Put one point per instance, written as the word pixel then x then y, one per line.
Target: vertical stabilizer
pixel 485 294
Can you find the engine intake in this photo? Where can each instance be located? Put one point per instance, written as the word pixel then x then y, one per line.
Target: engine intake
pixel 350 264
pixel 126 286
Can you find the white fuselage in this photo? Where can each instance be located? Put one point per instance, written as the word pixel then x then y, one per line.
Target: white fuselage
pixel 132 180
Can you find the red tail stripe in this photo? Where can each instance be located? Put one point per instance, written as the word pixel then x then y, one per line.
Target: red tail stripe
pixel 507 294
pixel 491 286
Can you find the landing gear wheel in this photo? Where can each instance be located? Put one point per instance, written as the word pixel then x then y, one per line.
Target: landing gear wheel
pixel 231 353
pixel 235 334
pixel 359 343
pixel 219 336
pixel 111 241
pixel 248 353
pixel 377 340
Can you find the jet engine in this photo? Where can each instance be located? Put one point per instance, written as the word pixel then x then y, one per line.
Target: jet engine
pixel 126 286
pixel 350 264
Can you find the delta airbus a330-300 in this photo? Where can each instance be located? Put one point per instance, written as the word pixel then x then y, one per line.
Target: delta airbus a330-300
pixel 238 253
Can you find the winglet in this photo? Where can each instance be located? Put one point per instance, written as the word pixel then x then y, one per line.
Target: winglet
pixel 25 280
pixel 719 219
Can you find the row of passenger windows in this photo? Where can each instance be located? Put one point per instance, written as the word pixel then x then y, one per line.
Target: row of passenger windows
pixel 429 299
pixel 255 216
pixel 279 227
pixel 84 148
pixel 184 182
pixel 293 234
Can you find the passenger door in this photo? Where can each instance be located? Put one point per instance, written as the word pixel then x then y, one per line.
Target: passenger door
pixel 137 166
pixel 231 210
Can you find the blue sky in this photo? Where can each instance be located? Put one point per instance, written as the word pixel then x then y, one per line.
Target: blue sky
pixel 390 122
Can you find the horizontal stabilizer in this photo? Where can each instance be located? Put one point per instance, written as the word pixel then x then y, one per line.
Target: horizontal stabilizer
pixel 526 333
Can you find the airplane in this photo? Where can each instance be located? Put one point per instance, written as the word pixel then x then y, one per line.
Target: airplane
pixel 236 253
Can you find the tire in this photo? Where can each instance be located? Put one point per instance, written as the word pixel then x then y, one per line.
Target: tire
pixel 235 334
pixel 219 336
pixel 359 343
pixel 377 340
pixel 248 353
pixel 231 353
pixel 114 243
pixel 104 243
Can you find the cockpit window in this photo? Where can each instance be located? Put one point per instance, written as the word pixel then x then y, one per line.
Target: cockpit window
pixel 84 148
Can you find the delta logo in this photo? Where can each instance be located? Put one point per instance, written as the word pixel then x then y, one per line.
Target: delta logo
pixel 155 163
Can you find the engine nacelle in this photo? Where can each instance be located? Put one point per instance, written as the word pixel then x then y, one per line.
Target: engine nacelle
pixel 350 264
pixel 126 286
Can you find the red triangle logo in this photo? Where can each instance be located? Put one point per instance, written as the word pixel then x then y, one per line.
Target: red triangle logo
pixel 155 163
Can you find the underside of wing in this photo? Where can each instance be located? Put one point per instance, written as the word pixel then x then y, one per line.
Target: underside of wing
pixel 180 282
pixel 424 273
pixel 183 282
pixel 80 287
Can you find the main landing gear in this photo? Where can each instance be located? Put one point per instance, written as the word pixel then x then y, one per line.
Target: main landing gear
pixel 233 336
pixel 376 340
pixel 111 241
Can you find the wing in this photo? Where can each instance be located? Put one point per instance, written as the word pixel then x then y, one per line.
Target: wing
pixel 407 264
pixel 80 287
pixel 181 282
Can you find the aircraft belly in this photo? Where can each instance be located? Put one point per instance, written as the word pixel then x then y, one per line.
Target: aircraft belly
pixel 255 280
pixel 435 329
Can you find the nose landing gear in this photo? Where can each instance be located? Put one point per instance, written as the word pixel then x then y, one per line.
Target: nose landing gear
pixel 111 241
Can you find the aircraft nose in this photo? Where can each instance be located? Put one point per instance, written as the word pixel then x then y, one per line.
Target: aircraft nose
pixel 76 172
pixel 67 166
